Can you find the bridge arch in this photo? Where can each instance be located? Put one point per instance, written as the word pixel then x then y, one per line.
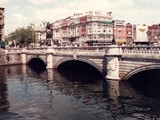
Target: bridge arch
pixel 141 69
pixel 85 60
pixel 36 57
pixel 36 63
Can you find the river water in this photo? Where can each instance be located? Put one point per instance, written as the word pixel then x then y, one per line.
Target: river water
pixel 26 94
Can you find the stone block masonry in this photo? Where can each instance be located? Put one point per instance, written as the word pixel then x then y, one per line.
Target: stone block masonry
pixel 10 58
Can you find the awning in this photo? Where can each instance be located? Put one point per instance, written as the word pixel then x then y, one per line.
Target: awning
pixel 99 41
pixel 120 41
pixel 106 22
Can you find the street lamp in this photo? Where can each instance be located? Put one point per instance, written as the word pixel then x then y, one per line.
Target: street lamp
pixel 113 39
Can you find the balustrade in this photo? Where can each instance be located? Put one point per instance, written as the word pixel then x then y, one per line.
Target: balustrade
pixel 13 50
pixel 36 50
pixel 140 49
pixel 91 50
pixel 80 50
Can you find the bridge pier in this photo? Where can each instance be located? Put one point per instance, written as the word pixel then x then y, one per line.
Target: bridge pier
pixel 50 74
pixel 112 68
pixel 23 55
pixel 112 54
pixel 50 58
pixel 113 89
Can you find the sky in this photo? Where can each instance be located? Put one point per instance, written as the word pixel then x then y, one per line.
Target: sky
pixel 21 13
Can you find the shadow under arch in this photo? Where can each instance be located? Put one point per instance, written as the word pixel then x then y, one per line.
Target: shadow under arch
pixel 36 64
pixel 86 61
pixel 78 70
pixel 36 57
pixel 141 69
pixel 146 81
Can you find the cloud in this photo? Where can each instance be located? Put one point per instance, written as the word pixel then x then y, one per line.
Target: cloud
pixel 22 13
pixel 15 21
pixel 19 18
pixel 88 5
pixel 4 1
pixel 43 14
pixel 120 8
pixel 52 15
pixel 41 2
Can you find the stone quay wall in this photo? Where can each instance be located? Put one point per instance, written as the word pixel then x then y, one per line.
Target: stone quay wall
pixel 10 59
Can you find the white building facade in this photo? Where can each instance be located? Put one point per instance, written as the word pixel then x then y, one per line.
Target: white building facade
pixel 83 28
pixel 140 33
pixel 89 28
pixel 40 32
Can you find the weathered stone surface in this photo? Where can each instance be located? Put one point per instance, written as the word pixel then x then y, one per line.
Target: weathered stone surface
pixel 112 61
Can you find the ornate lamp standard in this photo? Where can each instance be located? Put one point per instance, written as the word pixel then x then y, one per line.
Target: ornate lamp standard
pixel 113 39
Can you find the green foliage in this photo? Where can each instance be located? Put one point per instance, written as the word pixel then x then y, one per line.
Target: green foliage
pixel 23 36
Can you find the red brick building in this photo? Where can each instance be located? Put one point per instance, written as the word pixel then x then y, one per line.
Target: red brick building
pixel 120 32
pixel 83 21
pixel 129 33
pixel 154 33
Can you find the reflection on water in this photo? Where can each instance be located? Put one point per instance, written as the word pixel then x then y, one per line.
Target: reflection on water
pixel 147 83
pixel 51 95
pixel 4 103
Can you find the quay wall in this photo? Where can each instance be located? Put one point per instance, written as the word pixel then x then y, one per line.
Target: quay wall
pixel 10 59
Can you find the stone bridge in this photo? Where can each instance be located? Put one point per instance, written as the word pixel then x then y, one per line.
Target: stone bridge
pixel 113 62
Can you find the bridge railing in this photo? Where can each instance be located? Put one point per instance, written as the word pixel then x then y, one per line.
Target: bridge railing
pixel 80 50
pixel 37 50
pixel 13 50
pixel 94 50
pixel 140 49
pixel 60 50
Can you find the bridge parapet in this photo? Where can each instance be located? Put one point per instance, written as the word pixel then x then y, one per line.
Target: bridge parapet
pixel 141 49
pixel 13 50
pixel 68 50
pixel 91 51
pixel 36 50
pixel 84 50
pixel 113 50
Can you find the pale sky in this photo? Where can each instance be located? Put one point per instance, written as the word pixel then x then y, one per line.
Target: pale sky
pixel 19 13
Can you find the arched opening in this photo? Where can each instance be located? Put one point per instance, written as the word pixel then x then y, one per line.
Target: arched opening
pixel 147 83
pixel 79 71
pixel 37 64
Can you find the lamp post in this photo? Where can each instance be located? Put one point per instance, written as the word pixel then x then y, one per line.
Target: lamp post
pixel 158 36
pixel 113 39
pixel 32 34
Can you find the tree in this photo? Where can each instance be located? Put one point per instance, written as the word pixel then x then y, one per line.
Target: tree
pixel 23 36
